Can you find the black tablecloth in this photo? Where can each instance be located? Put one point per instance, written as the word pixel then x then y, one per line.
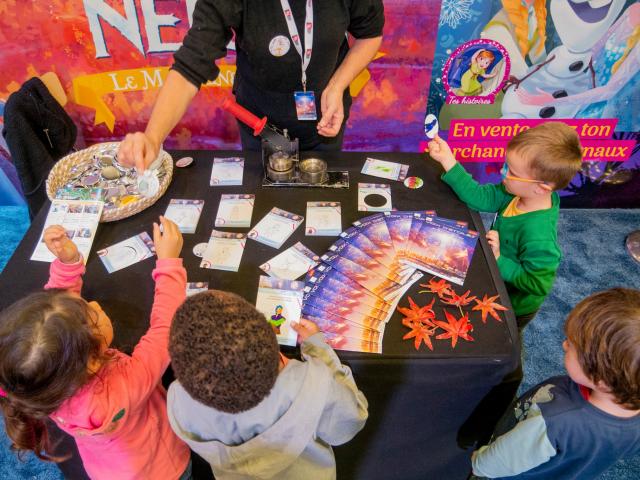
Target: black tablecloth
pixel 426 408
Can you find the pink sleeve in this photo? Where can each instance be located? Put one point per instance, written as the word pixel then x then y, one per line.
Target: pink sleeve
pixel 150 358
pixel 66 275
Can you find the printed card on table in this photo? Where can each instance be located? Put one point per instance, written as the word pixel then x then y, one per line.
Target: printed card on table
pixel 399 226
pixel 280 301
pixel 235 210
pixel 79 218
pixel 227 171
pixel 323 219
pixel 185 213
pixel 224 251
pixel 196 287
pixel 292 263
pixel 374 197
pixel 371 281
pixel 384 169
pixel 127 252
pixel 276 227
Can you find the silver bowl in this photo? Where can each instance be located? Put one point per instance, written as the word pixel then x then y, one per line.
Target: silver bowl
pixel 313 170
pixel 280 176
pixel 280 162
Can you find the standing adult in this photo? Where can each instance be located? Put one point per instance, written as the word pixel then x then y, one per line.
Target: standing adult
pixel 290 53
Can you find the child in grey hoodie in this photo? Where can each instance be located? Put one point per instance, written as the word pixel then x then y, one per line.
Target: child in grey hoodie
pixel 247 409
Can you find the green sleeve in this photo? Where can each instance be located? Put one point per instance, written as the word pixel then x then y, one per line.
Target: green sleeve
pixel 535 269
pixel 484 198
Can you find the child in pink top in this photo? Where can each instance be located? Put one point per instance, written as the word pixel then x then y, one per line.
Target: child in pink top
pixel 55 362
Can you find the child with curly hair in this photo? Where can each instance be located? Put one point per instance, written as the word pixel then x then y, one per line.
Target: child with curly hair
pixel 244 407
pixel 56 363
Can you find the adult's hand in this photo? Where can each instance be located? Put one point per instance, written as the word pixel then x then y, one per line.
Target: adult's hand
pixel 332 112
pixel 138 150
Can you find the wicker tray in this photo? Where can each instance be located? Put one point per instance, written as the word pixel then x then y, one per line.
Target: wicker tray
pixel 61 174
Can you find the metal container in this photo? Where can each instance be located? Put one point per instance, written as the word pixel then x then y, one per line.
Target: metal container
pixel 280 176
pixel 280 162
pixel 313 170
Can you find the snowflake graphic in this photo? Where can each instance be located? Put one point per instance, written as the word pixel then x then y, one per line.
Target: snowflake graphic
pixel 454 12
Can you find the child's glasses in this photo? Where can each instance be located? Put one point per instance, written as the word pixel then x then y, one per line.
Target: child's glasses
pixel 504 172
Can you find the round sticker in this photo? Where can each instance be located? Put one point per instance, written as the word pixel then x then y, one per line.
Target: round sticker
pixel 199 249
pixel 279 46
pixel 413 182
pixel 376 200
pixel 184 162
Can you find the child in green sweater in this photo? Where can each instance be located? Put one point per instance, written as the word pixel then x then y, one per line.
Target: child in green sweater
pixel 524 238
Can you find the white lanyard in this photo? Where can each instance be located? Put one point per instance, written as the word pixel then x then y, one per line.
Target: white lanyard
pixel 295 37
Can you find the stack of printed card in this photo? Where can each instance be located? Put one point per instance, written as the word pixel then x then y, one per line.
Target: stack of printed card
pixel 352 294
pixel 280 301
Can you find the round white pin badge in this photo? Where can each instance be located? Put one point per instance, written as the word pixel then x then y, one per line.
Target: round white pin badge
pixel 199 249
pixel 279 46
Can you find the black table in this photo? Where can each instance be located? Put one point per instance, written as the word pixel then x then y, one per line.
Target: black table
pixel 426 408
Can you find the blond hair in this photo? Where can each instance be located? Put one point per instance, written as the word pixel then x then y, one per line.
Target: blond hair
pixel 519 17
pixel 552 151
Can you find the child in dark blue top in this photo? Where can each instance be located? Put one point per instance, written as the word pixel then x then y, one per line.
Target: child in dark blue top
pixel 577 426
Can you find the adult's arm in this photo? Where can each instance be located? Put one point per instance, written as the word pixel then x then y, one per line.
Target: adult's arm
pixel 194 64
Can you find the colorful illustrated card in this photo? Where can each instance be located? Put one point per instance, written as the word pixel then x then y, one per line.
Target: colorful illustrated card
pixel 358 316
pixel 323 219
pixel 375 229
pixel 442 251
pixel 374 197
pixel 384 169
pixel 224 251
pixel 235 210
pixel 79 218
pixel 399 226
pixel 127 252
pixel 340 342
pixel 280 301
pixel 327 278
pixel 353 253
pixel 292 263
pixel 368 279
pixel 227 171
pixel 185 213
pixel 354 236
pixel 196 287
pixel 276 227
pixel 330 324
pixel 80 193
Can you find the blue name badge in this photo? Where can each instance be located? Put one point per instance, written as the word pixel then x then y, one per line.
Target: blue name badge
pixel 305 105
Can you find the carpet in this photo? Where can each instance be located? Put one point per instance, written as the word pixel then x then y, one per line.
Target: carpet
pixel 594 259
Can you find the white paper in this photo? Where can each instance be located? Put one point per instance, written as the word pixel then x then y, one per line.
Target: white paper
pixel 365 189
pixel 79 218
pixel 323 219
pixel 235 211
pixel 185 213
pixel 226 171
pixel 224 251
pixel 276 227
pixel 127 252
pixel 384 169
pixel 281 303
pixel 290 264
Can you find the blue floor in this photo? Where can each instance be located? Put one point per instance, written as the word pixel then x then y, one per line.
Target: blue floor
pixel 594 259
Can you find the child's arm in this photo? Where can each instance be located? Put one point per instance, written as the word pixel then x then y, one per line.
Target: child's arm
pixel 347 408
pixel 143 370
pixel 519 450
pixel 485 198
pixel 67 269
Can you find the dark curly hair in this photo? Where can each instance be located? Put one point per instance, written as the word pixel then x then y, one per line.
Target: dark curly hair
pixel 223 351
pixel 47 340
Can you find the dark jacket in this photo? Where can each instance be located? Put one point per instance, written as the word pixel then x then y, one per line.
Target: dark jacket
pixel 38 133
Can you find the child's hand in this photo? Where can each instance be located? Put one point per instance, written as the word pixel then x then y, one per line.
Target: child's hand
pixel 57 241
pixel 493 237
pixel 168 243
pixel 440 151
pixel 305 328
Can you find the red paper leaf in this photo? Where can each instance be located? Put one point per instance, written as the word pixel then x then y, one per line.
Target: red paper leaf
pixel 441 288
pixel 459 300
pixel 420 333
pixel 415 314
pixel 488 306
pixel 455 329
